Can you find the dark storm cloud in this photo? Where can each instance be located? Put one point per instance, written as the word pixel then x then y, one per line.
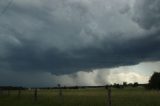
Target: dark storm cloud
pixel 148 13
pixel 65 36
pixel 26 59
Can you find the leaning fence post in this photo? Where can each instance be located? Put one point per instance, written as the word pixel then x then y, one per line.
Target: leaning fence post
pixel 35 94
pixel 109 97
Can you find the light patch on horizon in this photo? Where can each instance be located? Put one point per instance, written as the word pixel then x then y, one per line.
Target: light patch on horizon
pixel 99 78
pixel 129 74
pixel 137 73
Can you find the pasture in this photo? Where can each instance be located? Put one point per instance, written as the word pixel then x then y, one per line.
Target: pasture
pixel 82 97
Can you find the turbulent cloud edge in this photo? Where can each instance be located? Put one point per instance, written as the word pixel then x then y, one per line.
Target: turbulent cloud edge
pixel 65 36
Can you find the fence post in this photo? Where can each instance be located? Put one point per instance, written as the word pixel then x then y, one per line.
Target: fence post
pixel 8 92
pixel 0 91
pixel 60 89
pixel 60 95
pixel 35 94
pixel 109 97
pixel 19 93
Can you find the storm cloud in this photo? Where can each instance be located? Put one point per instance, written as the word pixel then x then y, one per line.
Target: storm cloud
pixel 147 14
pixel 67 36
pixel 137 73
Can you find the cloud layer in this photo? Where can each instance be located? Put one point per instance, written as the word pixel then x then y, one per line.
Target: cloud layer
pixel 66 36
pixel 137 73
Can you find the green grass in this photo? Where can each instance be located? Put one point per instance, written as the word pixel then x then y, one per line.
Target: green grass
pixel 83 97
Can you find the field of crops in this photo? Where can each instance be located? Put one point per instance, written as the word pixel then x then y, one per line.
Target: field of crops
pixel 82 97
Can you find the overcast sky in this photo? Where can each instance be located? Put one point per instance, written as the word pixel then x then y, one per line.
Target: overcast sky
pixel 78 42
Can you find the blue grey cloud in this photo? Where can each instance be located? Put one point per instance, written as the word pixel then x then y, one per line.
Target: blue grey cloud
pixel 147 13
pixel 65 36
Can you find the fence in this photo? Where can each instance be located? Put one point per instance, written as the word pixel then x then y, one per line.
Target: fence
pixel 35 94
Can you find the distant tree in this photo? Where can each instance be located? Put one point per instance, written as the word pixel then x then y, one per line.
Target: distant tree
pixel 124 84
pixel 135 84
pixel 117 85
pixel 154 82
pixel 130 84
pixel 107 86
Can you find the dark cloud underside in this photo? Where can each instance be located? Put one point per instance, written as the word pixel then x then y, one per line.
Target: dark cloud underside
pixel 65 36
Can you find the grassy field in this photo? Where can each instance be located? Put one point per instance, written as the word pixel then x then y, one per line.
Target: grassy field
pixel 83 97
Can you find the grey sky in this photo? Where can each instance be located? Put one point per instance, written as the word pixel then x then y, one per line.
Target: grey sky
pixel 67 36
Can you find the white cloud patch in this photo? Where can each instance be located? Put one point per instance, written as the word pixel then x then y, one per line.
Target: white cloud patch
pixel 137 73
pixel 102 77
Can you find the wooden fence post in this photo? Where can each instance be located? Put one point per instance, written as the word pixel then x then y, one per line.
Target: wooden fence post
pixel 19 93
pixel 8 92
pixel 0 91
pixel 109 97
pixel 60 90
pixel 35 94
pixel 60 95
